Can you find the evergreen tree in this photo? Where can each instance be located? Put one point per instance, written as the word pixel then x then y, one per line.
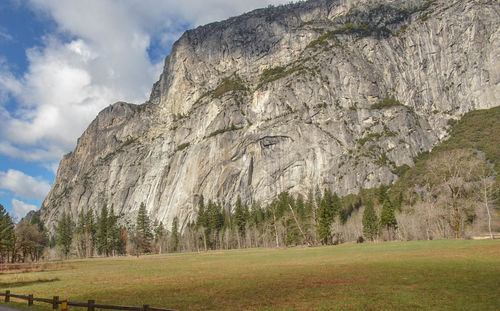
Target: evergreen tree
pixel 80 224
pixel 382 194
pixel 80 235
pixel 175 234
pixel 387 217
pixel 102 232
pixel 90 233
pixel 202 222
pixel 7 238
pixel 65 233
pixel 308 205
pixel 114 234
pixel 398 202
pixel 144 227
pixel 300 207
pixel 310 221
pixel 159 236
pixel 317 199
pixel 370 221
pixel 215 222
pixel 257 216
pixel 240 220
pixel 325 216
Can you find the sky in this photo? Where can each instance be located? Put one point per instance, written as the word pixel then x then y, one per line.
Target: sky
pixel 62 61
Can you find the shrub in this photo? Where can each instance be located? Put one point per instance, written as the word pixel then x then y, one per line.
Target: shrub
pixel 182 147
pixel 233 83
pixel 387 102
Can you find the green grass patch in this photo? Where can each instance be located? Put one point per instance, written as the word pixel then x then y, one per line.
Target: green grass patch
pixel 438 275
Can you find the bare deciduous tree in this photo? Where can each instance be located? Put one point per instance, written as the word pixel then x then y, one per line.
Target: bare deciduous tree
pixel 453 174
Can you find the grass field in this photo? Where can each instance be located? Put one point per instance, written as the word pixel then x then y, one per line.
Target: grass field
pixel 439 275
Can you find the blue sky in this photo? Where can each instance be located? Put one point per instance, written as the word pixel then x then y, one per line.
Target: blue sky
pixel 62 61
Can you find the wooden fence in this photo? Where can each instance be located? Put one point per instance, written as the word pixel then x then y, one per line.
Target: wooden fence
pixel 90 305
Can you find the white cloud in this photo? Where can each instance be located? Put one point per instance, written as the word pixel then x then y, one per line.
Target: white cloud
pixel 20 209
pixel 34 155
pixel 105 60
pixel 22 185
pixel 8 83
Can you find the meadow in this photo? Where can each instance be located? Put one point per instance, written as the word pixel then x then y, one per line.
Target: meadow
pixel 417 275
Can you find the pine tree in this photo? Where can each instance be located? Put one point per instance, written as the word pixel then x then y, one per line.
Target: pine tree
pixel 300 207
pixel 387 217
pixel 144 227
pixel 382 194
pixel 102 232
pixel 7 238
pixel 159 236
pixel 309 207
pixel 90 233
pixel 114 234
pixel 318 197
pixel 202 222
pixel 325 216
pixel 240 220
pixel 65 233
pixel 80 235
pixel 370 222
pixel 175 234
pixel 215 222
pixel 80 224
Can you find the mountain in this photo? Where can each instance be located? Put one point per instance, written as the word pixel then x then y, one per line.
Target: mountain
pixel 329 93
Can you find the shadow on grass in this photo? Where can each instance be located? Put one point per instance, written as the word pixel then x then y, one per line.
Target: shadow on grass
pixel 26 283
pixel 28 268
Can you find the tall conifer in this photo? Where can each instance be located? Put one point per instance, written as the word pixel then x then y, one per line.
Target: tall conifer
pixel 370 222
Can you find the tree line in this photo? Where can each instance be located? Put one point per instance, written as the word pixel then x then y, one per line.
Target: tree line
pixel 106 235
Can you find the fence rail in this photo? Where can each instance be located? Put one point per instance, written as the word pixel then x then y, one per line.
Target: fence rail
pixel 90 305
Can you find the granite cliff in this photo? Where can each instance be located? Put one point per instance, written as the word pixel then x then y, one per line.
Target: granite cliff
pixel 335 93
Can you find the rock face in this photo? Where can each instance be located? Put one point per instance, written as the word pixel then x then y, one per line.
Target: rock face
pixel 335 93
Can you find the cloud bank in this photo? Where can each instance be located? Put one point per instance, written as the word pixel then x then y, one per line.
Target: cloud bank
pixel 24 186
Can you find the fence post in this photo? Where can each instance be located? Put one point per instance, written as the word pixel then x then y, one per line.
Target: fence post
pixel 91 305
pixel 64 305
pixel 7 296
pixel 30 299
pixel 55 300
pixel 145 307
